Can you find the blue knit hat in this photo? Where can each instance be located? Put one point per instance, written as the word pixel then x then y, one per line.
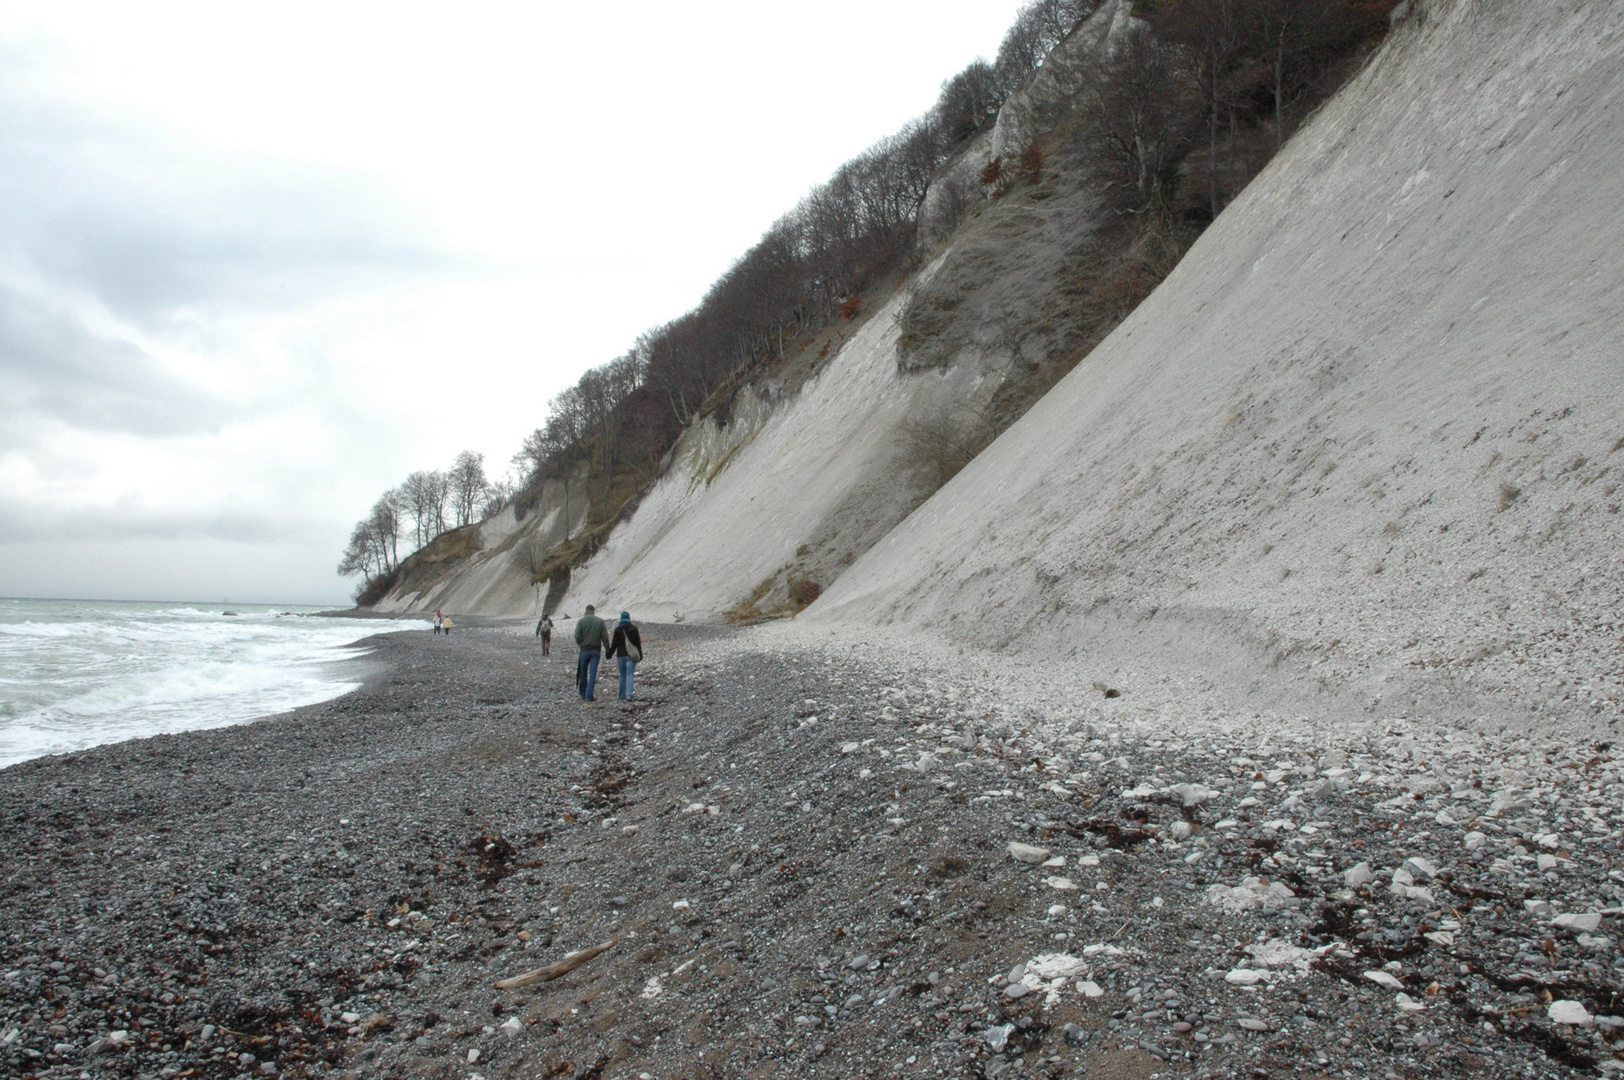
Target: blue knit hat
pixel 625 616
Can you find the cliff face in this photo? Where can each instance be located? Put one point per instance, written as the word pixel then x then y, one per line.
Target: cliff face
pixel 1050 95
pixel 787 491
pixel 486 568
pixel 1364 446
pixel 809 466
pixel 793 491
pixel 1360 451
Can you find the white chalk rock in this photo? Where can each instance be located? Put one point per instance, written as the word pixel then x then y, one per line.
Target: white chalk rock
pixel 1193 794
pixel 1424 869
pixel 1047 966
pixel 1570 1012
pixel 1251 894
pixel 1027 853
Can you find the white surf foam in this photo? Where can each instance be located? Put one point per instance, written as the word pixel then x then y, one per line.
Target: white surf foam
pixel 78 674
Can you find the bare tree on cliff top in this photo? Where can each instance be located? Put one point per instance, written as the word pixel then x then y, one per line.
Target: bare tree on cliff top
pixel 385 525
pixel 425 493
pixel 969 101
pixel 370 551
pixel 467 485
pixel 1037 29
pixel 533 455
pixel 497 495
pixel 600 392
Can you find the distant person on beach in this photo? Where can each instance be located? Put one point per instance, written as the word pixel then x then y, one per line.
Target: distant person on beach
pixel 627 646
pixel 445 625
pixel 544 630
pixel 439 622
pixel 590 637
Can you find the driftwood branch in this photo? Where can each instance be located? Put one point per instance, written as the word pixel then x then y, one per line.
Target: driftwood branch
pixel 559 967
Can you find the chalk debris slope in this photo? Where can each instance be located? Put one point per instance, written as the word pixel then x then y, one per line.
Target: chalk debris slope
pixel 789 487
pixel 1364 445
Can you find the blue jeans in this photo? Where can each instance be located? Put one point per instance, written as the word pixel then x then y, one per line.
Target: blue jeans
pixel 586 672
pixel 628 668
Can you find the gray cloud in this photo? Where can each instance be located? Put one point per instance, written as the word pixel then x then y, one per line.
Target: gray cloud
pixel 130 519
pixel 52 366
pixel 114 231
pixel 146 221
pixel 260 234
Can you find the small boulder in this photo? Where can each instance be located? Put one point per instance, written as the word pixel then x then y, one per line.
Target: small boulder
pixel 1027 853
pixel 1572 1013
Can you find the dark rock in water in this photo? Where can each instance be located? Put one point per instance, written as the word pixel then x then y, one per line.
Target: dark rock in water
pixel 231 613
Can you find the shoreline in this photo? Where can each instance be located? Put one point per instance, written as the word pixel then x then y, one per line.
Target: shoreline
pixel 802 852
pixel 85 681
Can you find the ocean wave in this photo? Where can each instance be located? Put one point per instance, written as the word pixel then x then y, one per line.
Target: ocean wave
pixel 83 674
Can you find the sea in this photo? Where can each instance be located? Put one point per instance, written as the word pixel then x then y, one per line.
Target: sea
pixel 80 673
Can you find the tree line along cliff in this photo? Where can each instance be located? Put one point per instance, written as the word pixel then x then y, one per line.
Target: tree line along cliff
pixel 1164 122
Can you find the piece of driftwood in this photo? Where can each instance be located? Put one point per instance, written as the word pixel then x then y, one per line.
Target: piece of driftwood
pixel 559 967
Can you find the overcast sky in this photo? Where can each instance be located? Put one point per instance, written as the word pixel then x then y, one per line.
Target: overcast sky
pixel 258 262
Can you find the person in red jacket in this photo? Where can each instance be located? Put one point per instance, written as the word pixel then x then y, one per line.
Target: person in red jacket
pixel 627 647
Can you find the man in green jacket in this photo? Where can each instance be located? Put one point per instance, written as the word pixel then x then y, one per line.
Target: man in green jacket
pixel 591 636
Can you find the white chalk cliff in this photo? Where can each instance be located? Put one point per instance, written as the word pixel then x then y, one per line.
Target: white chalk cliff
pixel 1362 449
pixel 1366 442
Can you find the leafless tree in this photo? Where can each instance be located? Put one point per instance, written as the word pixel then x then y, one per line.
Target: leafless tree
pixel 533 454
pixel 1286 33
pixel 466 483
pixel 969 101
pixel 385 524
pixel 1292 38
pixel 1143 108
pixel 358 554
pixel 600 393
pixel 372 550
pixel 425 496
pixel 497 495
pixel 940 442
pixel 1213 36
pixel 1037 29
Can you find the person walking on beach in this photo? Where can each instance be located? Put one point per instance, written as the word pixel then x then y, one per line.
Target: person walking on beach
pixel 544 630
pixel 627 647
pixel 590 637
pixel 439 621
pixel 445 623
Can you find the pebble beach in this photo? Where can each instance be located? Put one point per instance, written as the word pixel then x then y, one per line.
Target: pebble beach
pixel 796 856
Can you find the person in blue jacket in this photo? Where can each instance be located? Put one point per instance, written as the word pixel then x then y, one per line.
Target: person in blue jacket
pixel 627 647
